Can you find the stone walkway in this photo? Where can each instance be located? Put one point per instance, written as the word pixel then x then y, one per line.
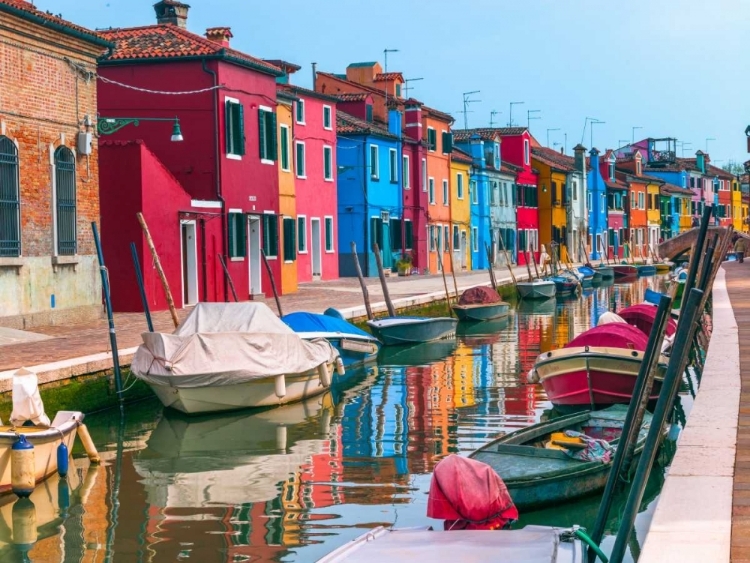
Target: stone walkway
pixel 73 341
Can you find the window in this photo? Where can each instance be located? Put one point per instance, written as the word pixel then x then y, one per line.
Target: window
pixel 406 172
pixel 271 235
pixel 641 200
pixel 10 203
pixel 474 192
pixel 368 113
pixel 301 168
pixel 474 239
pixel 431 234
pixel 603 202
pixel 398 90
pixel 446 237
pixel 301 234
pixel 393 165
pixel 374 173
pixel 376 231
pixel 290 244
pixel 267 135
pixel 329 234
pixel 526 151
pixel 638 167
pixel 633 202
pixel 65 204
pixel 447 142
pixel 234 117
pixel 395 235
pixel 301 112
pixel 431 139
pixel 431 190
pixel 328 163
pixel 460 186
pixel 237 234
pixel 408 235
pixel 439 234
pixel 424 174
pixel 493 194
pixel 327 118
pixel 456 239
pixel 575 190
pixel 284 149
pixel 445 192
pixel 589 201
pixel 611 171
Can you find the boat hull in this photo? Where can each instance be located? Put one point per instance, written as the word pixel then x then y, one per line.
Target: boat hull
pixel 256 393
pixel 481 311
pixel 624 271
pixel 45 442
pixel 413 330
pixel 536 290
pixel 646 270
pixel 606 272
pixel 662 268
pixel 593 377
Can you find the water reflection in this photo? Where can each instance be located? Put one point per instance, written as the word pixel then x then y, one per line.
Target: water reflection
pixel 293 483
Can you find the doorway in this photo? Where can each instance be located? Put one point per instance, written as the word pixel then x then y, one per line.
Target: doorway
pixel 464 265
pixel 189 251
pixel 315 239
pixel 254 255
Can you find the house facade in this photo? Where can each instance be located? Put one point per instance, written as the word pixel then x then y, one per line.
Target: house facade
pixel 229 125
pixel 473 143
pixel 596 200
pixel 736 205
pixel 460 205
pixel 437 135
pixel 723 183
pixel 49 169
pixel 287 194
pixel 617 206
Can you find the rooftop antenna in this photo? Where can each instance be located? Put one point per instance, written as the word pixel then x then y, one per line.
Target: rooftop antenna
pixel 493 113
pixel 597 122
pixel 468 101
pixel 585 123
pixel 529 118
pixel 510 115
pixel 385 53
pixel 707 140
pixel 406 85
pixel 548 130
pixel 634 128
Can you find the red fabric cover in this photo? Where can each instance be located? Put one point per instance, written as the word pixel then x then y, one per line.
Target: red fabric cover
pixel 482 294
pixel 469 495
pixel 643 315
pixel 612 335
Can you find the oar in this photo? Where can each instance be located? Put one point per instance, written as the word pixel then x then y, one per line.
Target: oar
pixel 365 293
pixel 445 283
pixel 273 282
pixel 383 284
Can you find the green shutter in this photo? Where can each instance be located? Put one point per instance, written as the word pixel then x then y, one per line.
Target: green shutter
pixel 239 141
pixel 301 233
pixel 327 163
pixel 262 132
pixel 231 238
pixel 237 235
pixel 271 235
pixel 368 113
pixel 285 148
pixel 274 149
pixel 228 125
pixel 408 235
pixel 290 244
pixel 329 234
pixel 241 234
pixel 447 143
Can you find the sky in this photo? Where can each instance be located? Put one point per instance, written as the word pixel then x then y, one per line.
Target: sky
pixel 674 68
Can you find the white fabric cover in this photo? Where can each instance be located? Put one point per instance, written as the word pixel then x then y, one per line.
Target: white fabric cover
pixel 610 317
pixel 27 402
pixel 226 344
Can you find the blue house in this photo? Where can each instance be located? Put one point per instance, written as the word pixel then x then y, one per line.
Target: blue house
pixel 370 161
pixel 597 207
pixel 673 194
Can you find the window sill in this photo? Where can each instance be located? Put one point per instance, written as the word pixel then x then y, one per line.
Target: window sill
pixel 300 123
pixel 16 262
pixel 288 261
pixel 286 170
pixel 59 261
pixel 267 161
pixel 237 259
pixel 301 251
pixel 328 128
pixel 231 156
pixel 302 177
pixel 328 180
pixel 330 251
pixel 271 257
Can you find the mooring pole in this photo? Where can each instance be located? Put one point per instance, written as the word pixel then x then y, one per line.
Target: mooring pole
pixel 141 287
pixel 229 277
pixel 110 316
pixel 273 282
pixel 383 284
pixel 362 285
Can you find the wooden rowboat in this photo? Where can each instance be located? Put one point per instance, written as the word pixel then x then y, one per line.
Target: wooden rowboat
pixel 624 271
pixel 394 331
pixel 481 311
pixel 606 272
pixel 536 289
pixel 537 475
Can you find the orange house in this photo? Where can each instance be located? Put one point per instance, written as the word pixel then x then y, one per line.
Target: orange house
pixel 437 136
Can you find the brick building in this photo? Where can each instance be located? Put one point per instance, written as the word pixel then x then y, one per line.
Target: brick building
pixel 49 177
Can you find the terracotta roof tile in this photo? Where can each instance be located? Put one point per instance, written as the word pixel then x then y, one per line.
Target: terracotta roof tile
pixel 348 124
pixel 553 158
pixel 616 184
pixel 298 90
pixel 172 42
pixel 461 156
pixel 385 76
pixel 438 114
pixel 353 97
pixel 510 168
pixel 671 189
pixel 27 10
pixel 720 172
pixel 467 134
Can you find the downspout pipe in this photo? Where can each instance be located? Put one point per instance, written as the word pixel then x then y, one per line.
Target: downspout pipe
pixel 217 154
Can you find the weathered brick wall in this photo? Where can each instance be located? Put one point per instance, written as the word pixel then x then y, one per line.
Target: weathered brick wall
pixel 47 88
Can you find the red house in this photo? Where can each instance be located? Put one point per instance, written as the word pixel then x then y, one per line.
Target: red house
pixel 225 101
pixel 516 149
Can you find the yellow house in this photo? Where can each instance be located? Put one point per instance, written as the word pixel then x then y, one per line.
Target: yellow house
pixel 287 201
pixel 653 212
pixel 460 209
pixel 553 218
pixel 686 214
pixel 736 205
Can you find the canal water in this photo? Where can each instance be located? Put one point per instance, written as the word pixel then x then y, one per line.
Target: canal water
pixel 293 483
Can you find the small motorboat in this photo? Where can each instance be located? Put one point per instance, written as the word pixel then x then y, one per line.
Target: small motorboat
pixel 227 356
pixel 480 303
pixel 606 272
pixel 663 267
pixel 394 331
pixel 355 346
pixel 642 316
pixel 646 269
pixel 589 275
pixel 543 465
pixel 564 285
pixel 624 271
pixel 597 368
pixel 536 289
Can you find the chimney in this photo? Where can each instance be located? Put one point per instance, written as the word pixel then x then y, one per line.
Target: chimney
pixel 315 76
pixel 413 119
pixel 700 161
pixel 476 148
pixel 172 12
pixel 579 152
pixel 220 35
pixel 394 119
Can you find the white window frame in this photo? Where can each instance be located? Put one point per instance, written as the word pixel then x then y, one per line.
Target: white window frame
pixel 304 237
pixel 393 165
pixel 460 185
pixel 229 155
pixel 266 160
pixel 446 193
pixel 300 104
pixel 456 234
pixel 641 200
pixel 376 160
pixel 526 152
pixel 302 176
pixel 285 148
pixel 431 236
pixel 406 173
pixel 474 191
pixel 329 149
pixel 431 190
pixel 329 111
pixel 475 239
pixel 428 139
pixel 333 236
pixel 424 174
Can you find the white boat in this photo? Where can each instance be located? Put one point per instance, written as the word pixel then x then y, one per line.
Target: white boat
pixel 536 289
pixel 227 356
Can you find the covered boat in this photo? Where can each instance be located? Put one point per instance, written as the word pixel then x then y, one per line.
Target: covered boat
pixel 393 331
pixel 480 303
pixel 643 315
pixel 556 461
pixel 227 356
pixel 355 346
pixel 597 368
pixel 536 289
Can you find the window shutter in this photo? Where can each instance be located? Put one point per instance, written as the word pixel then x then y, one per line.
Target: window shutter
pixel 447 143
pixel 274 140
pixel 408 235
pixel 228 125
pixel 262 142
pixel 240 121
pixel 274 221
pixel 230 236
pixel 242 234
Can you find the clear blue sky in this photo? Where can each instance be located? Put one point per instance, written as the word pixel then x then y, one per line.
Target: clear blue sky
pixel 676 68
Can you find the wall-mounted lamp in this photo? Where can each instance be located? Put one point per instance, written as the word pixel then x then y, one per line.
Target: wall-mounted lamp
pixel 110 125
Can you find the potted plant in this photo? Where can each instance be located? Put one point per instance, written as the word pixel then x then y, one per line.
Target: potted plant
pixel 404 265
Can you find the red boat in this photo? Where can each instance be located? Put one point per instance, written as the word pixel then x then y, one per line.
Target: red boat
pixel 642 316
pixel 597 368
pixel 624 271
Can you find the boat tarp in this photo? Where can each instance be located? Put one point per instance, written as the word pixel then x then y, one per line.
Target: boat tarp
pixel 643 316
pixel 469 495
pixel 479 295
pixel 226 344
pixel 312 322
pixel 611 335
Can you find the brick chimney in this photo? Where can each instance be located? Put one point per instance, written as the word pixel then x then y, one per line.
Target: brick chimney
pixel 172 11
pixel 413 119
pixel 220 35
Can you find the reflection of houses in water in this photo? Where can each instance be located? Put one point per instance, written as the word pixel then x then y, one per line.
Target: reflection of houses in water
pixel 463 377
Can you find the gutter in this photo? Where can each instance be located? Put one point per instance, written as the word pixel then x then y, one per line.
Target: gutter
pixel 62 28
pixel 220 56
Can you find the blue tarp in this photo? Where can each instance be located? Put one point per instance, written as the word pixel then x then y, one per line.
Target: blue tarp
pixel 312 322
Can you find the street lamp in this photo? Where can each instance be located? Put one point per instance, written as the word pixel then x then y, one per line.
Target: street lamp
pixel 110 125
pixel 548 130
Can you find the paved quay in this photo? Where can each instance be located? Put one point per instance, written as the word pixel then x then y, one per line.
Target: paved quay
pixel 72 350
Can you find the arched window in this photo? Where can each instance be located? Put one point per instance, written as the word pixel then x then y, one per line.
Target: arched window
pixel 10 208
pixel 65 201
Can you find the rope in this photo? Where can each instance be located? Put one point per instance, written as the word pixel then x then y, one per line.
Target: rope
pixel 162 92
